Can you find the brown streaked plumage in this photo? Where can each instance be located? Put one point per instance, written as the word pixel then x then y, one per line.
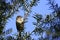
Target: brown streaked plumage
pixel 20 23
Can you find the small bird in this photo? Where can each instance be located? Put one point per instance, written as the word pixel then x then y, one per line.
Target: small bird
pixel 20 23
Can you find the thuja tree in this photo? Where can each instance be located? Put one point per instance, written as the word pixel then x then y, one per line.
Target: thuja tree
pixel 50 25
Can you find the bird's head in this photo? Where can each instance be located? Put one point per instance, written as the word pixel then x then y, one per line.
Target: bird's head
pixel 19 19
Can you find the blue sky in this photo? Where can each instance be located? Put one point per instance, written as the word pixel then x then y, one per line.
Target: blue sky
pixel 41 8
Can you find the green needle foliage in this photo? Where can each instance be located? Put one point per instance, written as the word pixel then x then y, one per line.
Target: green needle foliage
pixel 50 25
pixel 7 10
